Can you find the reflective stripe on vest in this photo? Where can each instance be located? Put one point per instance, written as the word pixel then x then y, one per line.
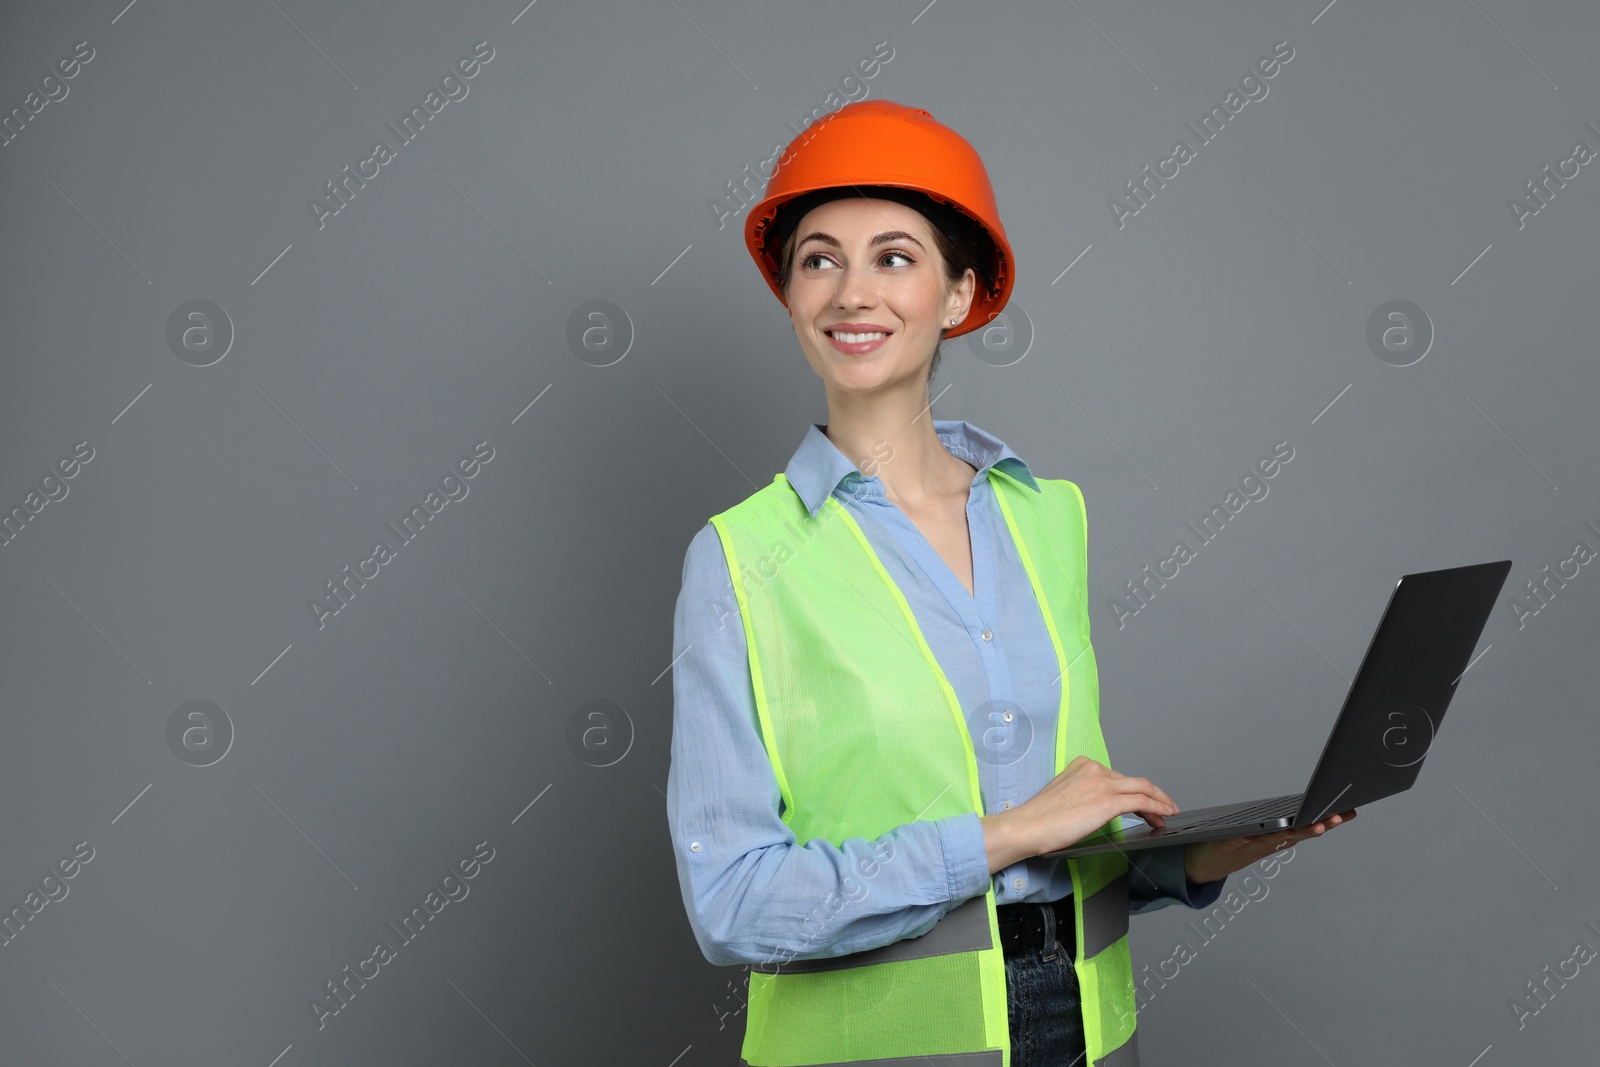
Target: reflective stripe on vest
pixel 865 733
pixel 963 929
pixel 1126 1055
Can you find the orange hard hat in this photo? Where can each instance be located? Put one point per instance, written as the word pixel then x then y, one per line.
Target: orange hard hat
pixel 894 147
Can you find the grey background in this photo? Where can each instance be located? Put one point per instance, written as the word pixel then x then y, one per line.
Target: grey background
pixel 432 711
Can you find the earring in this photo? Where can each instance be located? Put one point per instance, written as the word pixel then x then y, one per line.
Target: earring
pixel 952 322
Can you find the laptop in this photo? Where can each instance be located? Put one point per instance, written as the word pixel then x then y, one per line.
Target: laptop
pixel 1421 648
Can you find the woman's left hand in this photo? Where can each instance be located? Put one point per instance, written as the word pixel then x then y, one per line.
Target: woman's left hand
pixel 1206 861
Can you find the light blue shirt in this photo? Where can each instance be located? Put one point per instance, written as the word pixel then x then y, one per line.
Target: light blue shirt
pixel 752 892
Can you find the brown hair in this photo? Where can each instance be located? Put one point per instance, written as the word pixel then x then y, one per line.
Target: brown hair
pixel 962 243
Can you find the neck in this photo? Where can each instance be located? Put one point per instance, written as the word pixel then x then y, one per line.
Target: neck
pixel 892 437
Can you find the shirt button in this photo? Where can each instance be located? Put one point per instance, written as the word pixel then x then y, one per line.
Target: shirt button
pixel 1006 716
pixel 1016 883
pixel 694 846
pixel 988 635
pixel 1005 804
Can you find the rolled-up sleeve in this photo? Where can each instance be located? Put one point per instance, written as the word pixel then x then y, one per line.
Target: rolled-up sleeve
pixel 753 894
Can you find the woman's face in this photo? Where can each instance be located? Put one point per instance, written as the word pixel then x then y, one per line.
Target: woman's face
pixel 868 293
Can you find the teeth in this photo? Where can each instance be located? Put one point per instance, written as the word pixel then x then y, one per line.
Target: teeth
pixel 857 338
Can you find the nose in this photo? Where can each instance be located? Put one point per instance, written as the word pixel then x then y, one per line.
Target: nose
pixel 855 288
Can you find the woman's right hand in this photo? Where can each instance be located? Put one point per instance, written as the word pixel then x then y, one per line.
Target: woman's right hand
pixel 1077 802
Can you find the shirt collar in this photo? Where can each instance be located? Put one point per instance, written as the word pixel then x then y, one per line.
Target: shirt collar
pixel 818 467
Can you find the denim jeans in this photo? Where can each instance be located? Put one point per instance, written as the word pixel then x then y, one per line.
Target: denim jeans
pixel 1043 1005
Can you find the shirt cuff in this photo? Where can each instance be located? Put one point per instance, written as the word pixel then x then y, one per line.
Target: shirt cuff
pixel 1164 867
pixel 966 857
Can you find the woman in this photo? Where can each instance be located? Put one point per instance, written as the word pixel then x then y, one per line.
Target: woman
pixel 875 657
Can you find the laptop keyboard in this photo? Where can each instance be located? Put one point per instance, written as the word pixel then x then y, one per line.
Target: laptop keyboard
pixel 1275 808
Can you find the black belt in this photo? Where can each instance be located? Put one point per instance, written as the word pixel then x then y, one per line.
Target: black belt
pixel 1022 926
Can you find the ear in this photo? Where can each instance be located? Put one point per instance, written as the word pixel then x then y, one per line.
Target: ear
pixel 961 297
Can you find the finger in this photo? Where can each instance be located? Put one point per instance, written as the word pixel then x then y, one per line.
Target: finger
pixel 1146 807
pixel 1335 820
pixel 1151 810
pixel 1149 806
pixel 1142 787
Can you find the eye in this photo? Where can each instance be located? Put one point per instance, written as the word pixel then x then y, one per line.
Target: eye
pixel 809 261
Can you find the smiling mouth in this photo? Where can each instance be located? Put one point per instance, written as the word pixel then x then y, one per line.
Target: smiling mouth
pixel 845 337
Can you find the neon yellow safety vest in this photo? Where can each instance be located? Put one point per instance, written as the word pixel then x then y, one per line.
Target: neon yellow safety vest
pixel 865 734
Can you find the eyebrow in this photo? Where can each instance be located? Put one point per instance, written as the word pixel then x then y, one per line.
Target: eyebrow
pixel 880 239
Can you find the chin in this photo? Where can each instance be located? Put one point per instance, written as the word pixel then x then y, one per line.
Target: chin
pixel 861 379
